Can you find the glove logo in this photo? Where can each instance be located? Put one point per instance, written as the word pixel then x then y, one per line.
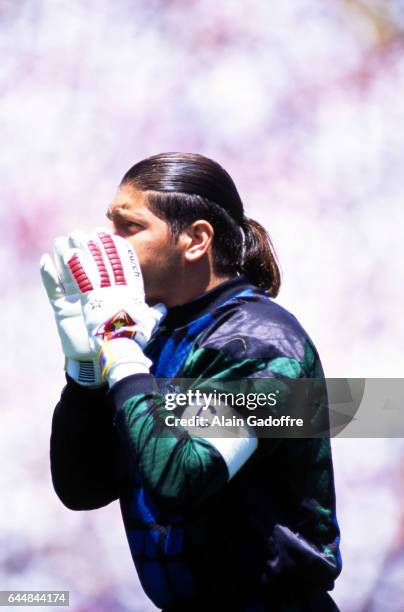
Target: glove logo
pixel 120 325
pixel 133 262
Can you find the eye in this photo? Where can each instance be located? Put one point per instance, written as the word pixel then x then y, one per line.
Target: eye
pixel 130 226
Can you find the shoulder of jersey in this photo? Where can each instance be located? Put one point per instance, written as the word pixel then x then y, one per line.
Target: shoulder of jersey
pixel 255 325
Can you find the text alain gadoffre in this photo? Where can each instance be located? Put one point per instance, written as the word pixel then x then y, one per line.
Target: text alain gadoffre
pixel 204 401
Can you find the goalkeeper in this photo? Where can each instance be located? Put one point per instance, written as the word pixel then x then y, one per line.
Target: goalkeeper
pixel 181 287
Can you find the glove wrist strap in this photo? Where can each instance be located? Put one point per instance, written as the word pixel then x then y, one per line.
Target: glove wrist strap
pixel 120 358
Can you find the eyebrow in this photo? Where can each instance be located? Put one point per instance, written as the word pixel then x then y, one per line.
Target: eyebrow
pixel 118 214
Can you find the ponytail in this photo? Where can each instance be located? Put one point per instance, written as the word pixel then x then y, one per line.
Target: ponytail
pixel 260 264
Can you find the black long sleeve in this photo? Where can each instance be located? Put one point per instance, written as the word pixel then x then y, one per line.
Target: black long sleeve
pixel 86 457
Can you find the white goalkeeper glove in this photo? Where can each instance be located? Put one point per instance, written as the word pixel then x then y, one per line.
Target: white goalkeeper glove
pixel 119 323
pixel 81 361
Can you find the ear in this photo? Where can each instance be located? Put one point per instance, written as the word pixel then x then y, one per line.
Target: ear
pixel 197 238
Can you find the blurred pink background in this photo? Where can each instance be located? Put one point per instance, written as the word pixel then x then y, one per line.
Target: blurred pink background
pixel 302 102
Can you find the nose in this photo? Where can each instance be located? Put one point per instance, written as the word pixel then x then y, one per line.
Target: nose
pixel 117 232
pixel 112 227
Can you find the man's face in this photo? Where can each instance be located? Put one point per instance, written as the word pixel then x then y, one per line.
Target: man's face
pixel 160 259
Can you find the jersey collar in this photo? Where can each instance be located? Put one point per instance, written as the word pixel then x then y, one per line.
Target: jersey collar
pixel 181 315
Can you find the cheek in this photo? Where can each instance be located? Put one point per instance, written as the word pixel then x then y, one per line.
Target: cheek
pixel 140 246
pixel 152 253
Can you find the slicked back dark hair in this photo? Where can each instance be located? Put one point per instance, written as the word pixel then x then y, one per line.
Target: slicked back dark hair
pixel 185 187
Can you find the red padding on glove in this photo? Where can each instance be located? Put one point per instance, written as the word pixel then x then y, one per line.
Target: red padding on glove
pixel 79 274
pixel 99 261
pixel 113 256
